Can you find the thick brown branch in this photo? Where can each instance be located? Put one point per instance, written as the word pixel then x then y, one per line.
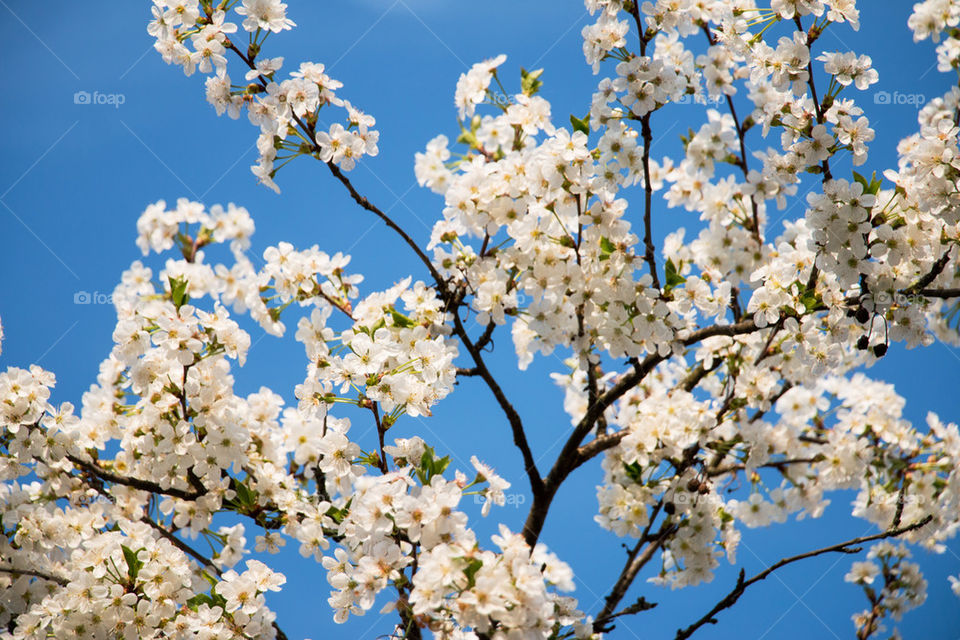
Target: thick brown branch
pixel 649 251
pixel 570 456
pixel 940 293
pixel 136 483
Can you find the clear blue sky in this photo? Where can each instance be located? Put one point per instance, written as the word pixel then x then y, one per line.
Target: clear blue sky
pixel 74 179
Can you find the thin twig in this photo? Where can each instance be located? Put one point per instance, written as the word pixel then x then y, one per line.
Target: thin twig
pixel 844 547
pixel 635 562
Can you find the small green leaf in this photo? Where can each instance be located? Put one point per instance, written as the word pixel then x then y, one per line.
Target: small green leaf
pixel 579 124
pixel 199 599
pixel 245 499
pixel 209 578
pixel 178 292
pixel 134 564
pixel 811 300
pixel 674 278
pixel 859 178
pixel 471 572
pixel 338 515
pixel 529 81
pixel 634 471
pixel 872 186
pixel 431 466
pixel 606 247
pixel 400 320
pixel 467 137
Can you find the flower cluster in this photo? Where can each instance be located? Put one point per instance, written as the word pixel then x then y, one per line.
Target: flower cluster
pixel 718 376
pixel 186 448
pixel 196 35
pixel 891 583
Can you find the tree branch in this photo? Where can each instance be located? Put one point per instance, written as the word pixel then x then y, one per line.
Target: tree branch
pixel 636 560
pixel 359 199
pixel 844 547
pixel 569 458
pixel 206 562
pixel 36 574
pixel 931 275
pixel 741 135
pixel 136 483
pixel 180 544
pixel 516 424
pixel 940 293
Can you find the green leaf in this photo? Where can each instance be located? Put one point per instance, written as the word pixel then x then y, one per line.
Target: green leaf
pixel 199 599
pixel 247 496
pixel 674 278
pixel 400 320
pixel 859 178
pixel 872 186
pixel 810 299
pixel 606 248
pixel 245 499
pixel 467 137
pixel 209 578
pixel 431 466
pixel 471 572
pixel 134 564
pixel 529 81
pixel 178 292
pixel 338 515
pixel 634 471
pixel 580 124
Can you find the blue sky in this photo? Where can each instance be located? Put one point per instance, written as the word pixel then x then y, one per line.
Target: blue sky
pixel 74 178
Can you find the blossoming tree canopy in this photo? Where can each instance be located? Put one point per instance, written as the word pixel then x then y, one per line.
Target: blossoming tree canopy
pixel 732 353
